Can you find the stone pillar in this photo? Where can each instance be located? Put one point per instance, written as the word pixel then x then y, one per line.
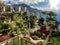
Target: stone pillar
pixel 4 9
pixel 19 9
pixel 12 9
pixel 25 9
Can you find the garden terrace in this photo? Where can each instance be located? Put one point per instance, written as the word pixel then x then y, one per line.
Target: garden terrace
pixel 17 40
pixel 17 22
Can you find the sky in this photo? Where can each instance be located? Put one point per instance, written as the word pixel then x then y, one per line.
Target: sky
pixel 39 4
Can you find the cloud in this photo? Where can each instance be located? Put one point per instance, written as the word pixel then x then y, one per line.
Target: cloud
pixel 4 0
pixel 54 4
pixel 36 2
pixel 41 8
pixel 59 5
pixel 31 1
pixel 26 1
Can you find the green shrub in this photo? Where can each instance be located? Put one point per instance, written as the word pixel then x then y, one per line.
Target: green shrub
pixel 43 36
pixel 39 43
pixel 39 34
pixel 5 26
pixel 51 23
pixel 54 41
pixel 55 34
pixel 35 37
pixel 2 18
pixel 43 27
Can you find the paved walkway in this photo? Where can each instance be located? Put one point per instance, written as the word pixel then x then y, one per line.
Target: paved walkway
pixel 35 41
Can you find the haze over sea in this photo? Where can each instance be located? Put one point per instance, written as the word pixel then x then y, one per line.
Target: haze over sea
pixel 58 17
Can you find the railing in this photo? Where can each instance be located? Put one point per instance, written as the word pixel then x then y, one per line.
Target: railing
pixel 17 41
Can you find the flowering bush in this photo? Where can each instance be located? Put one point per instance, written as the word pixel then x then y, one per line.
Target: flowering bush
pixel 44 31
pixel 3 38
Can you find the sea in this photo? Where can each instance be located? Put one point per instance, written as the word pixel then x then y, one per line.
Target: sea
pixel 58 17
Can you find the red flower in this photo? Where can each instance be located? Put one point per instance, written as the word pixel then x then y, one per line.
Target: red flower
pixel 3 38
pixel 44 31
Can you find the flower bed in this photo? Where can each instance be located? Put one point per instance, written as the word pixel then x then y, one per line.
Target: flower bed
pixel 44 31
pixel 3 38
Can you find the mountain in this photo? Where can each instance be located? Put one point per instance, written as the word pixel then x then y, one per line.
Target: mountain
pixel 30 9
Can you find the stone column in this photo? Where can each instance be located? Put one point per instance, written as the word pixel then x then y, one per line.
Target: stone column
pixel 12 9
pixel 25 9
pixel 19 8
pixel 4 9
